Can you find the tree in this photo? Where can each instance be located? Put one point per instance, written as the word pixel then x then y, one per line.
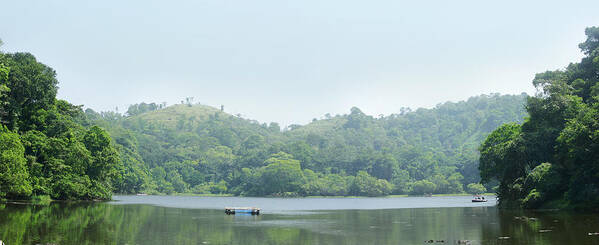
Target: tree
pixel 105 158
pixel 502 154
pixel 335 185
pixel 274 127
pixel 422 187
pixel 14 178
pixel 281 174
pixel 356 119
pixel 455 183
pixel 219 161
pixel 383 167
pixel 254 141
pixel 140 108
pixel 366 185
pixel 476 188
pixel 3 93
pixel 401 181
pixel 302 152
pixel 163 186
pixel 442 186
pixel 592 42
pixel 177 181
pixel 32 86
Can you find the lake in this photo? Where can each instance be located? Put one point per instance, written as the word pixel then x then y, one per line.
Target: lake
pixel 201 220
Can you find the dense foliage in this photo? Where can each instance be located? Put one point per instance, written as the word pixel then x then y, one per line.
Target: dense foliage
pixel 192 148
pixel 552 159
pixel 46 145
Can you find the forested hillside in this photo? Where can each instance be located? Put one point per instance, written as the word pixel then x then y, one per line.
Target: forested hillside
pixel 47 147
pixel 552 159
pixel 192 148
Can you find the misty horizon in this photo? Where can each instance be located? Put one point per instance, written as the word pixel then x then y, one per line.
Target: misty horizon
pixel 289 62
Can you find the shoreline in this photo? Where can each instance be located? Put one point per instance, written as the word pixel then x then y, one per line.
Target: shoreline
pixel 46 201
pixel 231 195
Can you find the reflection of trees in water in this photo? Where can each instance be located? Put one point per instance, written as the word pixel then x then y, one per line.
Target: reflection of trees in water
pixel 100 223
pixel 542 227
pixel 70 223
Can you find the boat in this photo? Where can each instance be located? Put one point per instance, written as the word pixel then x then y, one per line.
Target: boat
pixel 242 210
pixel 479 199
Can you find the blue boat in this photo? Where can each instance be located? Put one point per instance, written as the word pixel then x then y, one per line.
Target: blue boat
pixel 242 210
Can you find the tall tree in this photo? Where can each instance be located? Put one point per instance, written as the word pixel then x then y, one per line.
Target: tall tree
pixel 32 87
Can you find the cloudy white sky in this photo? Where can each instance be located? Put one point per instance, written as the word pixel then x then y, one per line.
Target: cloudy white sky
pixel 291 61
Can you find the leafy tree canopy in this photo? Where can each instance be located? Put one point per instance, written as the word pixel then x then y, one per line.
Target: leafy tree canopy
pixel 551 160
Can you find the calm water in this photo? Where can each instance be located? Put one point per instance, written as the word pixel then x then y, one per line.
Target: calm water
pixel 201 220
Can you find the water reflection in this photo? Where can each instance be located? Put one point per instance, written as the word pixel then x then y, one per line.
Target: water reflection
pixel 103 223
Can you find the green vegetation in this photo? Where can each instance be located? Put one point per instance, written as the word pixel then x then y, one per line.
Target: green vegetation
pixel 475 188
pixel 552 159
pixel 53 148
pixel 41 200
pixel 47 147
pixel 193 148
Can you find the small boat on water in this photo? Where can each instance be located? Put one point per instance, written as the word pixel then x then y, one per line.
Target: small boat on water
pixel 242 210
pixel 478 198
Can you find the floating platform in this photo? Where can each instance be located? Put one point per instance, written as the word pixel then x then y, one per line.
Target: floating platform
pixel 242 210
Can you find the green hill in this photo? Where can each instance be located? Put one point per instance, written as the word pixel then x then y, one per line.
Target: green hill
pixel 170 115
pixel 200 149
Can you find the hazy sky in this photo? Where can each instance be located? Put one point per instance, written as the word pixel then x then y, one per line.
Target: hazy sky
pixel 291 61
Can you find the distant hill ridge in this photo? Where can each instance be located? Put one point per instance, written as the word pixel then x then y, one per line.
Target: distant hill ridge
pixel 202 112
